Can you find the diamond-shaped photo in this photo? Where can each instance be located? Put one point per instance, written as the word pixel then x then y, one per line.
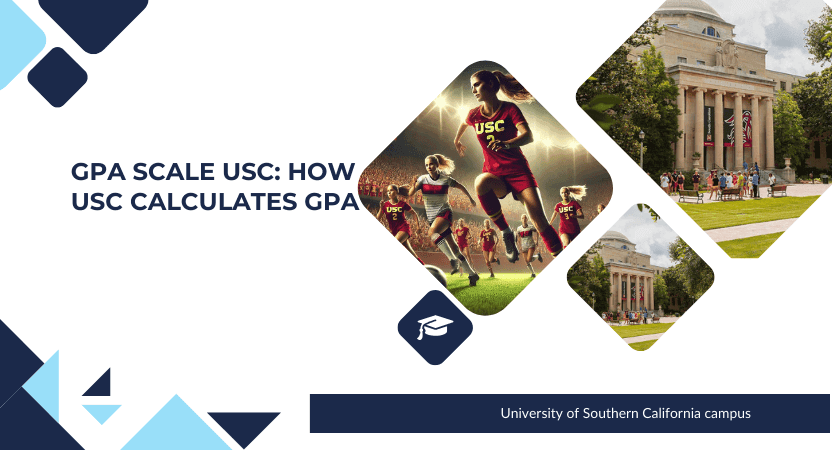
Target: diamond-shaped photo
pixel 640 277
pixel 485 188
pixel 722 106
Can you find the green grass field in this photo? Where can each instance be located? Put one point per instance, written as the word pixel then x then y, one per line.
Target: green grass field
pixel 642 346
pixel 641 330
pixel 733 213
pixel 750 247
pixel 491 295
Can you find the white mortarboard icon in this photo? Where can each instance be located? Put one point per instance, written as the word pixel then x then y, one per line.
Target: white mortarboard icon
pixel 436 326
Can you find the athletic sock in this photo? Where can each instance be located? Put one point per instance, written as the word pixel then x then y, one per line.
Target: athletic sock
pixel 446 249
pixel 465 266
pixel 491 205
pixel 552 240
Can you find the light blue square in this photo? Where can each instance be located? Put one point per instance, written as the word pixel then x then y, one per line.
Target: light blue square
pixel 20 41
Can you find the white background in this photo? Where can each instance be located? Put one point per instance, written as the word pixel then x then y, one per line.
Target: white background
pixel 253 311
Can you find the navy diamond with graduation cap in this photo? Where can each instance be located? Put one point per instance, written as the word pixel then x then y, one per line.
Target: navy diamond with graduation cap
pixel 435 327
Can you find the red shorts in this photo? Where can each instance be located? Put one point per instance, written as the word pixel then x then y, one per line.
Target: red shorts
pixel 571 236
pixel 515 184
pixel 487 247
pixel 403 227
pixel 447 215
pixel 463 243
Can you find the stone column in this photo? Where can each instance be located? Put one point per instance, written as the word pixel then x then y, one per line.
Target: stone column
pixel 738 137
pixel 680 143
pixel 699 127
pixel 719 145
pixel 652 300
pixel 627 291
pixel 612 291
pixel 755 128
pixel 769 105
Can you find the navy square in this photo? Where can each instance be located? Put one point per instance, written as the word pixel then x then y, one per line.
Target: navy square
pixel 435 327
pixel 57 77
pixel 93 24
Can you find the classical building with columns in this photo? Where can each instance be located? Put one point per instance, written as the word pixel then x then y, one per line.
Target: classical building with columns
pixel 722 82
pixel 631 273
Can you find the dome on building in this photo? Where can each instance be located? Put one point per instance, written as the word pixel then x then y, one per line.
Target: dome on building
pixel 697 7
pixel 614 235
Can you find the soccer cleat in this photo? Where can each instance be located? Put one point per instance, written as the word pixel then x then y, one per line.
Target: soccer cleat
pixel 539 257
pixel 498 261
pixel 472 280
pixel 454 266
pixel 512 255
pixel 533 275
pixel 492 276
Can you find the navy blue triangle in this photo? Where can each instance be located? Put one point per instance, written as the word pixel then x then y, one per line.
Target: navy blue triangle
pixel 24 425
pixel 100 388
pixel 17 361
pixel 243 427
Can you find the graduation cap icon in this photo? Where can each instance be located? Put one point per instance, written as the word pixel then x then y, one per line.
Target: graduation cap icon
pixel 436 326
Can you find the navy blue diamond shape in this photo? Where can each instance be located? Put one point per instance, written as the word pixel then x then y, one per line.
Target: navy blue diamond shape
pixel 93 24
pixel 435 349
pixel 57 77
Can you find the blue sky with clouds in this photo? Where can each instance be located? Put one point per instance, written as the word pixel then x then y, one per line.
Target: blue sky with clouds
pixel 775 25
pixel 651 238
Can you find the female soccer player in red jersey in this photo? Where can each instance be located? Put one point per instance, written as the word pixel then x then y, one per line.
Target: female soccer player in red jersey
pixel 501 130
pixel 569 211
pixel 463 234
pixel 489 240
pixel 527 242
pixel 435 186
pixel 394 210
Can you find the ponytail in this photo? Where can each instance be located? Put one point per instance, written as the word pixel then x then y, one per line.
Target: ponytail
pixel 506 83
pixel 576 192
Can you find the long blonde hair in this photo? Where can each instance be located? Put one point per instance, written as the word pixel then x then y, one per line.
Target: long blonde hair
pixel 575 192
pixel 443 164
pixel 506 83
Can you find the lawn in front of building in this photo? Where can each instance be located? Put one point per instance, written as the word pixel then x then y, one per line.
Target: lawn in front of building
pixel 641 330
pixel 750 247
pixel 744 212
pixel 642 346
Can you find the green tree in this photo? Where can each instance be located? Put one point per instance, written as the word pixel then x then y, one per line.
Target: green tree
pixel 591 280
pixel 613 90
pixel 661 123
pixel 660 296
pixel 789 136
pixel 819 37
pixel 814 98
pixel 676 289
pixel 696 275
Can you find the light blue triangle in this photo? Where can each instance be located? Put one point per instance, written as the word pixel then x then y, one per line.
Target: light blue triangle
pixel 176 426
pixel 43 386
pixel 101 412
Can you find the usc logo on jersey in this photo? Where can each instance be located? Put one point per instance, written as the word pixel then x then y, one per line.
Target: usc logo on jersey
pixel 392 209
pixel 565 209
pixel 489 127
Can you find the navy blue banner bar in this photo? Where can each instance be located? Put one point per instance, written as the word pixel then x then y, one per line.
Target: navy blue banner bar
pixel 569 413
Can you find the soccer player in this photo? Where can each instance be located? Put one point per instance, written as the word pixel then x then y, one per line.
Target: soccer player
pixel 463 235
pixel 501 130
pixel 394 211
pixel 435 186
pixel 527 242
pixel 489 240
pixel 569 211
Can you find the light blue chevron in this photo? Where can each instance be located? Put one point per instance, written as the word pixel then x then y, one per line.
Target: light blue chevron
pixel 43 386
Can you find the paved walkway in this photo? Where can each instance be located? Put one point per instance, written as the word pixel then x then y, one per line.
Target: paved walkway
pixel 752 229
pixel 646 337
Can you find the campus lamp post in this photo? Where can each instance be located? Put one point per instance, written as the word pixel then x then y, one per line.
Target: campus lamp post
pixel 641 152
